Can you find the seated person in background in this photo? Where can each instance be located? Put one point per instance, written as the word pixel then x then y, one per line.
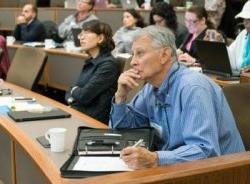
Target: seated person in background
pixel 4 58
pixel 132 23
pixel 114 4
pixel 239 50
pixel 163 14
pixel 77 20
pixel 97 83
pixel 188 110
pixel 29 28
pixel 197 23
pixel 215 10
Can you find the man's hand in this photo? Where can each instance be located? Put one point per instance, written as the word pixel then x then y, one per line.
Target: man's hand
pixel 20 20
pixel 126 82
pixel 139 157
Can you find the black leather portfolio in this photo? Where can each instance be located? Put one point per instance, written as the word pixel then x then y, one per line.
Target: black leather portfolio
pixel 97 151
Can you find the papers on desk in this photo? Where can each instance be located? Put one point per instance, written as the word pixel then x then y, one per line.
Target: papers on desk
pixel 100 164
pixel 22 104
pixel 34 44
pixel 6 101
pixel 123 55
pixel 30 107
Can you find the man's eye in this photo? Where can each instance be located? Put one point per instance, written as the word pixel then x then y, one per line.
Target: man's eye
pixel 140 53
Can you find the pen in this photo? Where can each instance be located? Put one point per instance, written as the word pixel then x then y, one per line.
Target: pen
pixel 138 143
pixel 24 99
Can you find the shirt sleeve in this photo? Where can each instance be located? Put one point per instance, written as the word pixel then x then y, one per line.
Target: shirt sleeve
pixel 132 115
pixel 64 28
pixel 198 126
pixel 16 32
pixel 105 75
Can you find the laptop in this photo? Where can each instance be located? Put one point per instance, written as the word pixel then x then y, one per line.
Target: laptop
pixel 214 59
pixel 76 32
pixel 128 4
pixel 100 3
pixel 20 116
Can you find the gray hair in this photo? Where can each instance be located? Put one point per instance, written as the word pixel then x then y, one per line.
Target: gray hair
pixel 161 37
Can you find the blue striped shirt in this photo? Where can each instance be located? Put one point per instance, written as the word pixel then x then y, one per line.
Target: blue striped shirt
pixel 190 113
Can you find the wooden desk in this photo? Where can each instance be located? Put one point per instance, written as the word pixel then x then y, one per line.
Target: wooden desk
pixel 62 68
pixel 223 83
pixel 22 158
pixel 25 161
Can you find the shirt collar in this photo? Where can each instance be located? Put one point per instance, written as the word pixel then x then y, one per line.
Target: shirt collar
pixel 99 58
pixel 169 78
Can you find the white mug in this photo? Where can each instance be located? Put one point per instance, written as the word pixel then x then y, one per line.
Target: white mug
pixel 49 43
pixel 10 40
pixel 56 138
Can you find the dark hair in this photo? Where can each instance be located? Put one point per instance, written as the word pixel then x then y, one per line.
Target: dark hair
pixel 137 16
pixel 92 3
pixel 166 11
pixel 201 12
pixel 95 26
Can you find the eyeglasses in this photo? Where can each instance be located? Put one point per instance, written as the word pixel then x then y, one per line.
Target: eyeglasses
pixel 85 33
pixel 191 21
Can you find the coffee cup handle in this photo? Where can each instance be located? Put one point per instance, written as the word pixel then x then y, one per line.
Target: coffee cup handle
pixel 47 136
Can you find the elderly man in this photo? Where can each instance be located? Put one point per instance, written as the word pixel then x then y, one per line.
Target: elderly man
pixel 188 110
pixel 29 28
pixel 76 20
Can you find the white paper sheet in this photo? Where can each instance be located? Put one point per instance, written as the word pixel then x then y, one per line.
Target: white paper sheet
pixel 100 164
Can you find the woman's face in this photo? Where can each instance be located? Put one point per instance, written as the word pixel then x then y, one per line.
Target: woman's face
pixel 89 40
pixel 128 20
pixel 83 5
pixel 193 24
pixel 160 21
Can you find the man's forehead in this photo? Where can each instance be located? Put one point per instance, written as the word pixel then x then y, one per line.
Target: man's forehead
pixel 27 7
pixel 142 41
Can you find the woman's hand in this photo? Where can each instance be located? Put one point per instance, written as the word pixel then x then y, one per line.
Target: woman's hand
pixel 187 58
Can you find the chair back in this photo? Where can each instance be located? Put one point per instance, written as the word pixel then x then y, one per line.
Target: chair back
pixel 26 67
pixel 238 97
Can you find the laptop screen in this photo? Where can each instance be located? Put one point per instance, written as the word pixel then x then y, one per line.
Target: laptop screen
pixel 213 57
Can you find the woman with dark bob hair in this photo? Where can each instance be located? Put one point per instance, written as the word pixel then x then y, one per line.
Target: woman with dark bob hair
pixel 97 83
pixel 132 23
pixel 163 14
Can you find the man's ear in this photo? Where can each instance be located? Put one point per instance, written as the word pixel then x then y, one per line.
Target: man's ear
pixel 165 55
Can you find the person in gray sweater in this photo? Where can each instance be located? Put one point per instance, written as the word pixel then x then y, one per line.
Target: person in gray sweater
pixel 77 20
pixel 132 23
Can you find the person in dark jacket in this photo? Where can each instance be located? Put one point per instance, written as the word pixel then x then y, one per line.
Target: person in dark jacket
pixel 197 23
pixel 29 28
pixel 97 83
